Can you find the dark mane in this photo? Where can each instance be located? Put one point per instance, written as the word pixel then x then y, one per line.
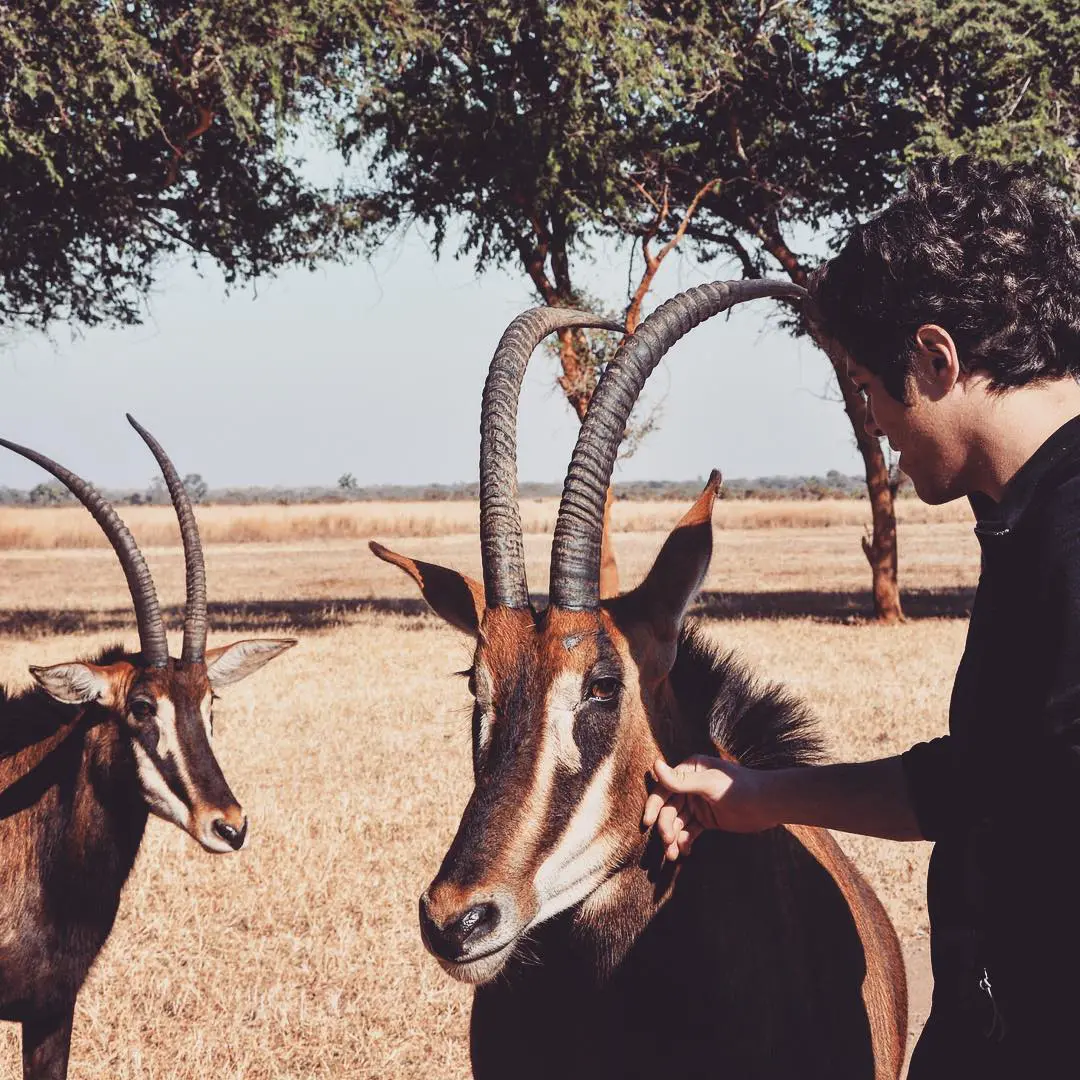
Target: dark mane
pixel 31 714
pixel 761 724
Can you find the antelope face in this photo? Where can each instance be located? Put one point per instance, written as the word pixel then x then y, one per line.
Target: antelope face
pixel 562 744
pixel 559 758
pixel 167 716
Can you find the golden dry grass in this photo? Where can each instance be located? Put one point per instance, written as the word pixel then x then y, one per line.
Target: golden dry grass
pixel 154 526
pixel 300 956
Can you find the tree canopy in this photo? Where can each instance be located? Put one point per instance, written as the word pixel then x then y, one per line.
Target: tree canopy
pixel 526 129
pixel 133 130
pixel 739 125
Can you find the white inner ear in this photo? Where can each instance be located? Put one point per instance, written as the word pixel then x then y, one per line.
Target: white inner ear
pixel 73 684
pixel 236 662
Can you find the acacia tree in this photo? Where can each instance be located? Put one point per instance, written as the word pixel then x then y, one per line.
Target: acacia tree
pixel 527 124
pixel 813 123
pixel 539 126
pixel 132 130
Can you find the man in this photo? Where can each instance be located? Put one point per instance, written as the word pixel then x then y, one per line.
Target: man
pixel 958 309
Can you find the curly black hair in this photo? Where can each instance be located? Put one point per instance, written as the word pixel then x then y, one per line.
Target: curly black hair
pixel 987 251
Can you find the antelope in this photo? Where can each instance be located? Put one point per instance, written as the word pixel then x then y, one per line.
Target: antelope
pixel 85 757
pixel 765 955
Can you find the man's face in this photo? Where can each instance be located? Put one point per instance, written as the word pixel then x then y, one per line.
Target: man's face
pixel 923 431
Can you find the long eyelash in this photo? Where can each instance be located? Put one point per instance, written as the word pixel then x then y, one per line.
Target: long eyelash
pixel 466 674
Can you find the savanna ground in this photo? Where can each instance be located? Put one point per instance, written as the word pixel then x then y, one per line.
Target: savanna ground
pixel 300 957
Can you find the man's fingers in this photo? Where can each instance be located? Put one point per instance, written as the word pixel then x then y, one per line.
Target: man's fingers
pixel 688 779
pixel 669 822
pixel 685 842
pixel 653 805
pixel 667 775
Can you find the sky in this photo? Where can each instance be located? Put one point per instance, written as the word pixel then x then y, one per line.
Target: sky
pixel 377 369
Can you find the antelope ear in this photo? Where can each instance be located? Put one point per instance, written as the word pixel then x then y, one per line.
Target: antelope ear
pixel 652 614
pixel 77 683
pixel 452 596
pixel 229 664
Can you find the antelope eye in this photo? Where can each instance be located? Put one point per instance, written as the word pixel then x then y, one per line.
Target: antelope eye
pixel 143 709
pixel 604 689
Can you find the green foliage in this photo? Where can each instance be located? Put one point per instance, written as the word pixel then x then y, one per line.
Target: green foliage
pixel 133 129
pixel 993 78
pixel 539 126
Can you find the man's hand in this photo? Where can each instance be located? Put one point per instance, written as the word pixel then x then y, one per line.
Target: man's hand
pixel 704 793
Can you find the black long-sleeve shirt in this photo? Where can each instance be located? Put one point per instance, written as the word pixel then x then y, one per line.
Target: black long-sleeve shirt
pixel 1000 794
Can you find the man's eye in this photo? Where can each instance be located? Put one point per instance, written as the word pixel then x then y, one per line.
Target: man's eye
pixel 603 689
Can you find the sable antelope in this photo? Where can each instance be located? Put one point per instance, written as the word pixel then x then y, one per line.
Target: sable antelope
pixel 84 758
pixel 764 955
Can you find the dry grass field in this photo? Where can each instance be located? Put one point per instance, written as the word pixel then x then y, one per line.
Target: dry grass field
pixel 71 527
pixel 300 956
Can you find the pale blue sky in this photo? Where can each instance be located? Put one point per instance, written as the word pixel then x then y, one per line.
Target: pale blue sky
pixel 377 370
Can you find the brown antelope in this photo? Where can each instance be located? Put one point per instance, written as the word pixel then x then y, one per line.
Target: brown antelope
pixel 764 955
pixel 84 757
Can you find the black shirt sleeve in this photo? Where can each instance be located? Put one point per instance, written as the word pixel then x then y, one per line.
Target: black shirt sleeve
pixel 934 787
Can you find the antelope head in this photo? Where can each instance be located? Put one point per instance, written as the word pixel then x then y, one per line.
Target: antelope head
pixel 566 720
pixel 163 706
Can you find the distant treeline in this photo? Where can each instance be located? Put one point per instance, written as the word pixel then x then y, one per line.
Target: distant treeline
pixel 833 485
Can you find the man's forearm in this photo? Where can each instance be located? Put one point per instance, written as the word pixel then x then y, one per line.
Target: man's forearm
pixel 869 798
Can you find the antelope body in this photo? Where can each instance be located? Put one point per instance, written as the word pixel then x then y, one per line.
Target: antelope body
pixel 85 757
pixel 764 956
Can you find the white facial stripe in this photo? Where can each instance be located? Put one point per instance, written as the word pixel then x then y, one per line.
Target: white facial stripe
pixel 484 694
pixel 168 738
pixel 168 749
pixel 205 710
pixel 484 734
pixel 580 861
pixel 563 697
pixel 158 794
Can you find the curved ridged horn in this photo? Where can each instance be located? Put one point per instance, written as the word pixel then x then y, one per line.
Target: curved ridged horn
pixel 194 647
pixel 575 550
pixel 500 523
pixel 152 641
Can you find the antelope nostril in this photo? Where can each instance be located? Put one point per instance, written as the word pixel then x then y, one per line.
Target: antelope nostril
pixel 469 928
pixel 478 921
pixel 232 836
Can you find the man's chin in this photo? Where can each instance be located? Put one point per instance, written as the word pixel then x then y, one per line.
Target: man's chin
pixel 936 494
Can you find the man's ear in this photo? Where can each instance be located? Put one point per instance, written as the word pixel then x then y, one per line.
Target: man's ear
pixel 79 683
pixel 228 664
pixel 452 596
pixel 652 614
pixel 937 362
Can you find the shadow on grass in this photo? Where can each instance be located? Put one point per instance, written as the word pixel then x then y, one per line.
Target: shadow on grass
pixel 299 615
pixel 949 603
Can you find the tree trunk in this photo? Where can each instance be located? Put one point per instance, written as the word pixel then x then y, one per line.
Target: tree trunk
pixel 578 388
pixel 881 548
pixel 609 571
pixel 576 381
